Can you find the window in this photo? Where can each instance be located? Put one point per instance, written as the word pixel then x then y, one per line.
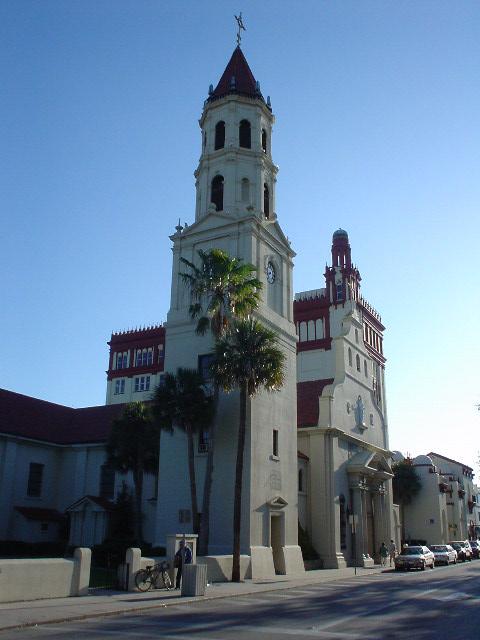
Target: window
pixel 121 360
pixel 150 357
pixel 245 190
pixel 319 329
pixel 184 516
pixel 275 442
pixel 161 352
pixel 300 479
pixel 365 368
pixel 349 356
pixel 204 362
pixel 339 292
pixel 107 481
pixel 119 386
pixel 142 383
pixel 303 331
pixel 264 141
pixel 357 360
pixel 35 478
pixel 356 336
pixel 311 330
pixel 219 135
pixel 217 192
pixel 138 359
pixel 203 439
pixel 245 134
pixel 266 201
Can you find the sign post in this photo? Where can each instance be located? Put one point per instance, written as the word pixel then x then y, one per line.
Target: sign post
pixel 352 519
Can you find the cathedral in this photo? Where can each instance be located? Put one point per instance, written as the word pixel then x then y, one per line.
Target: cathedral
pixel 316 451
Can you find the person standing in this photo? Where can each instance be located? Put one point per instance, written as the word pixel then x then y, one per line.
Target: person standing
pixel 383 554
pixel 392 551
pixel 183 556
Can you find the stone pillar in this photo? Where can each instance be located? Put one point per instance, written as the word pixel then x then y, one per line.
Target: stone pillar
pixel 81 574
pixel 133 562
pixel 357 507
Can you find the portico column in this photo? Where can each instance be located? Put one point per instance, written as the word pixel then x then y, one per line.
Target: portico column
pixel 358 511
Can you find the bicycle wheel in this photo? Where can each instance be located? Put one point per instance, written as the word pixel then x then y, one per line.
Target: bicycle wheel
pixel 166 580
pixel 143 580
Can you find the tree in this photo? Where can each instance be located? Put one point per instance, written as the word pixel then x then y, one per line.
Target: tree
pixel 221 289
pixel 133 445
pixel 406 485
pixel 181 401
pixel 247 358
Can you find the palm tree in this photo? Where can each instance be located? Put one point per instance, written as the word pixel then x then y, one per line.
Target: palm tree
pixel 181 401
pixel 406 485
pixel 221 288
pixel 248 358
pixel 133 445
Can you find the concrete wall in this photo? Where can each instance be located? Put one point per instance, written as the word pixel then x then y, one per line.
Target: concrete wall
pixel 32 579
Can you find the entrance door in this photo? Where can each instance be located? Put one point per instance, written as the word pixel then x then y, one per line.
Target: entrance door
pixel 276 524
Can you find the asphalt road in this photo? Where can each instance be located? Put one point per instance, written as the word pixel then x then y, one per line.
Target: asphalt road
pixel 443 604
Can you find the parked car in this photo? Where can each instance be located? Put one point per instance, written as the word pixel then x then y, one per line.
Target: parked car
pixel 414 558
pixel 463 549
pixel 475 545
pixel 443 553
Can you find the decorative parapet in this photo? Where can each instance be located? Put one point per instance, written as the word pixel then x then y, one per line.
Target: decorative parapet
pixel 371 310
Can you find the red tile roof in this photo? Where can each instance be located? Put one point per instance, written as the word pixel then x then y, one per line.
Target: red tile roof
pixel 40 420
pixel 244 83
pixel 37 513
pixel 308 394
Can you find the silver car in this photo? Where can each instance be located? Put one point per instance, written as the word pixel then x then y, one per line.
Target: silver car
pixel 443 553
pixel 414 558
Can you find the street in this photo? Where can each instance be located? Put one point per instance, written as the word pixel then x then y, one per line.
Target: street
pixel 443 604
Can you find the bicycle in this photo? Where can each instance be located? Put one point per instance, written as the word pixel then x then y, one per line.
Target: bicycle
pixel 149 578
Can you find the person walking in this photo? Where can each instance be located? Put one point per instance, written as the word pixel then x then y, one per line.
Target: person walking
pixel 183 556
pixel 383 554
pixel 392 551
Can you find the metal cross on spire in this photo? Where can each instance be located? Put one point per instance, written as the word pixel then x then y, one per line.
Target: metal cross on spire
pixel 240 27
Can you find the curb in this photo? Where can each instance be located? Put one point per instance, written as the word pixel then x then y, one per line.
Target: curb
pixel 171 602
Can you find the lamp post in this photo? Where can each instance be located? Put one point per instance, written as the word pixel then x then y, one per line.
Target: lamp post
pixel 352 519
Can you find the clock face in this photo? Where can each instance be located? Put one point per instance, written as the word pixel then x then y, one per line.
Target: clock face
pixel 270 273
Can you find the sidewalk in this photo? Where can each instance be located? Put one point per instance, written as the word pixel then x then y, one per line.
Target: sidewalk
pixel 106 603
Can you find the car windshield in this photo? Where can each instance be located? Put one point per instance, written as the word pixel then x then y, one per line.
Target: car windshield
pixel 413 551
pixel 438 547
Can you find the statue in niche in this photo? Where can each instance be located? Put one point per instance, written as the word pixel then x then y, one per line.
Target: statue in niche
pixel 360 414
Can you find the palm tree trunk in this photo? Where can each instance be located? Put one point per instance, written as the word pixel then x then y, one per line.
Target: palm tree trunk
pixel 193 480
pixel 207 487
pixel 237 506
pixel 138 483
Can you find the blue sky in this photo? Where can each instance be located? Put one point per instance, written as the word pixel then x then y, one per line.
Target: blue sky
pixel 377 109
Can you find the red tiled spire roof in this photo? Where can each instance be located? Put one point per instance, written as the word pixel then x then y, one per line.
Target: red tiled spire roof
pixel 237 78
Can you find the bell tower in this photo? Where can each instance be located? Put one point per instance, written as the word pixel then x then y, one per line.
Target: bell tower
pixel 235 212
pixel 236 174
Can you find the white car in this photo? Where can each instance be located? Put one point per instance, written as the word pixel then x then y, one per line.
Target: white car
pixel 444 553
pixel 414 558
